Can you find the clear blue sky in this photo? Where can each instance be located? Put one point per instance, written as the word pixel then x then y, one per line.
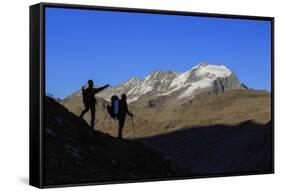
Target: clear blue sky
pixel 111 47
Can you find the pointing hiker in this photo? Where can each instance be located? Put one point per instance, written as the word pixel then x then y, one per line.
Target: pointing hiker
pixel 90 101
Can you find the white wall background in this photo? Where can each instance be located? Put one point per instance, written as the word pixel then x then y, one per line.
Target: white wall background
pixel 14 72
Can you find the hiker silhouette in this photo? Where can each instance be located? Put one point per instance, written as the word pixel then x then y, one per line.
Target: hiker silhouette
pixel 90 101
pixel 119 110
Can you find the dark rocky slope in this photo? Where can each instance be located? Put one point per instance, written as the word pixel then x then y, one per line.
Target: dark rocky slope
pixel 74 153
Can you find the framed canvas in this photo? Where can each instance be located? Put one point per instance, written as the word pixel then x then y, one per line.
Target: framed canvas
pixel 122 95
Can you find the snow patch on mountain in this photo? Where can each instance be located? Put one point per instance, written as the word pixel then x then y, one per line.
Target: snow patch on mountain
pixel 196 86
pixel 216 70
pixel 179 82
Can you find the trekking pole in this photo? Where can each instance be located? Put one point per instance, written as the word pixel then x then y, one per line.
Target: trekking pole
pixel 133 127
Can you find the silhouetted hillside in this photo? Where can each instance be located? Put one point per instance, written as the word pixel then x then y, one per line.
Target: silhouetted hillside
pixel 218 149
pixel 74 153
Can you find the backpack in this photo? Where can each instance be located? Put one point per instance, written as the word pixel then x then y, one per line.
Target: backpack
pixel 113 109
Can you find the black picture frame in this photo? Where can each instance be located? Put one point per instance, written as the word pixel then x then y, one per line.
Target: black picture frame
pixel 37 87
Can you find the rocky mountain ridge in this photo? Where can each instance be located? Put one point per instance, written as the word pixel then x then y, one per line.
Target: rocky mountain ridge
pixel 201 78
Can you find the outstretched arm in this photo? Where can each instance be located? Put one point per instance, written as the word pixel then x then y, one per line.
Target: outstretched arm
pixel 101 88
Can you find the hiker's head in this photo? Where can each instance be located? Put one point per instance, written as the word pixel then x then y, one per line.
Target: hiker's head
pixel 124 97
pixel 91 83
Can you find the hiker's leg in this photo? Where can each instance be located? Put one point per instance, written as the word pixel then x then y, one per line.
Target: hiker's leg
pixel 121 125
pixel 84 111
pixel 93 116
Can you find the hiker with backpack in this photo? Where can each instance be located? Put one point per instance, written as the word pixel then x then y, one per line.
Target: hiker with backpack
pixel 119 110
pixel 90 101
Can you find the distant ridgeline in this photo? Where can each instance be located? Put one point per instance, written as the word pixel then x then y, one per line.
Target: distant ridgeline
pixel 201 78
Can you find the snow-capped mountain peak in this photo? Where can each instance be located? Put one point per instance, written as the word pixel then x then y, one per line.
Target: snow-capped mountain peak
pixel 204 70
pixel 202 77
